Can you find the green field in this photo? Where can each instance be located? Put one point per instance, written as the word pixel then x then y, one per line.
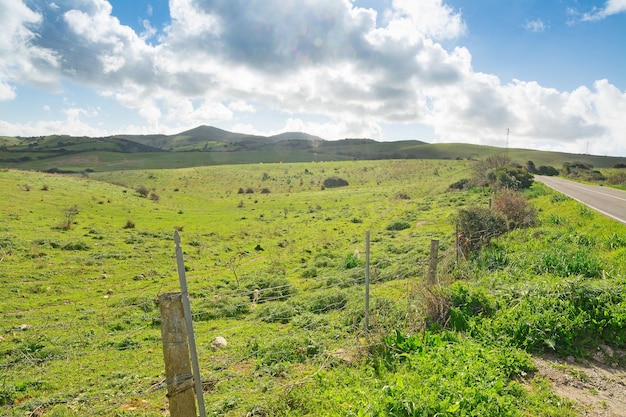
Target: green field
pixel 83 259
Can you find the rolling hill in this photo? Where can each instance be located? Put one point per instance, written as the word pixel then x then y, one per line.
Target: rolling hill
pixel 207 145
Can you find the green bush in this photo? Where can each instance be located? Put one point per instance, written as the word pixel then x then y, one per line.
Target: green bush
pixel 334 182
pixel 477 225
pixel 399 225
pixel 468 302
pixel 510 178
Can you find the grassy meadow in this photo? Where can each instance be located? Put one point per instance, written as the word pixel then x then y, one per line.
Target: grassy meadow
pixel 83 259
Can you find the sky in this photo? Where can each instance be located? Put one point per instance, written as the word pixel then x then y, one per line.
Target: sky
pixel 538 74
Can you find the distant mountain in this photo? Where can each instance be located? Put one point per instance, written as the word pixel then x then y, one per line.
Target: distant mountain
pixel 207 145
pixel 295 136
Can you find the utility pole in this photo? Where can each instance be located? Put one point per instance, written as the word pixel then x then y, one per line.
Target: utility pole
pixel 507 141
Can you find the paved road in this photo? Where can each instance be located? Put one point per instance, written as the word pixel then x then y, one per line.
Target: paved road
pixel 608 201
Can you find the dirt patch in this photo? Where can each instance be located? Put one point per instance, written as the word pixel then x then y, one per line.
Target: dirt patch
pixel 597 385
pixel 423 223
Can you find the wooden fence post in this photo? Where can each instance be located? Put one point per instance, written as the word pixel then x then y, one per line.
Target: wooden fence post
pixel 178 374
pixel 432 267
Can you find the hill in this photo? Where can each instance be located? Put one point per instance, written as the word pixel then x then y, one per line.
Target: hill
pixel 207 145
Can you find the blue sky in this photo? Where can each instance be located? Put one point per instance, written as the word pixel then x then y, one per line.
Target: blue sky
pixel 553 72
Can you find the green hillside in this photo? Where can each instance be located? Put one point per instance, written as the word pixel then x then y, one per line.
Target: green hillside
pixel 207 145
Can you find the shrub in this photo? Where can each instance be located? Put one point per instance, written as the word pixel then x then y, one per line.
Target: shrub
pixel 462 184
pixel 398 225
pixel 265 191
pixel 334 182
pixel 129 224
pixel 508 177
pixel 154 196
pixel 69 214
pixel 517 210
pixel 143 191
pixel 548 170
pixel 477 226
pixel 466 302
pixel 617 178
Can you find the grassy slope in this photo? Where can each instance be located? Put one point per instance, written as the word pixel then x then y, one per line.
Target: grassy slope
pixel 286 151
pixel 87 292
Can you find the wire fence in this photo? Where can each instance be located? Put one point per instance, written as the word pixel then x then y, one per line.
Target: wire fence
pixel 112 342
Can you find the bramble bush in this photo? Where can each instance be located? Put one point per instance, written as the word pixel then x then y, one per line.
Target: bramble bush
pixel 478 225
pixel 517 210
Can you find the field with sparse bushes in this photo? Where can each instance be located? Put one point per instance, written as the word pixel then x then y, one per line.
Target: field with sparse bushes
pixel 275 262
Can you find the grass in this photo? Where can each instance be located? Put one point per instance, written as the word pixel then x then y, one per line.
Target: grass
pixel 80 327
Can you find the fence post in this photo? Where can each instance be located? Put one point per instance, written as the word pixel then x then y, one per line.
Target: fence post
pixel 432 267
pixel 367 281
pixel 182 278
pixel 176 355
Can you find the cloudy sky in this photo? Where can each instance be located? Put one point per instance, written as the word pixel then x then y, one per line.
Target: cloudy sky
pixel 553 72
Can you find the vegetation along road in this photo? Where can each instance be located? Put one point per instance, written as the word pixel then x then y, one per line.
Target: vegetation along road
pixel 608 201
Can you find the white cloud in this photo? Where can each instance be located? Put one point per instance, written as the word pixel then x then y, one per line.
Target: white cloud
pixel 536 26
pixel 611 7
pixel 219 60
pixel 22 62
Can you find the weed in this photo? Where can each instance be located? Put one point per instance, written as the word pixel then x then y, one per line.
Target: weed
pixel 565 263
pixel 351 261
pixel 616 241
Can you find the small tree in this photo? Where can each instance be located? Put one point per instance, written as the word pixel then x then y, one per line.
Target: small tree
pixel 69 214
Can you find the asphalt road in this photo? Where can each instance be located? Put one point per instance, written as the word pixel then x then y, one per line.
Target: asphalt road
pixel 608 201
